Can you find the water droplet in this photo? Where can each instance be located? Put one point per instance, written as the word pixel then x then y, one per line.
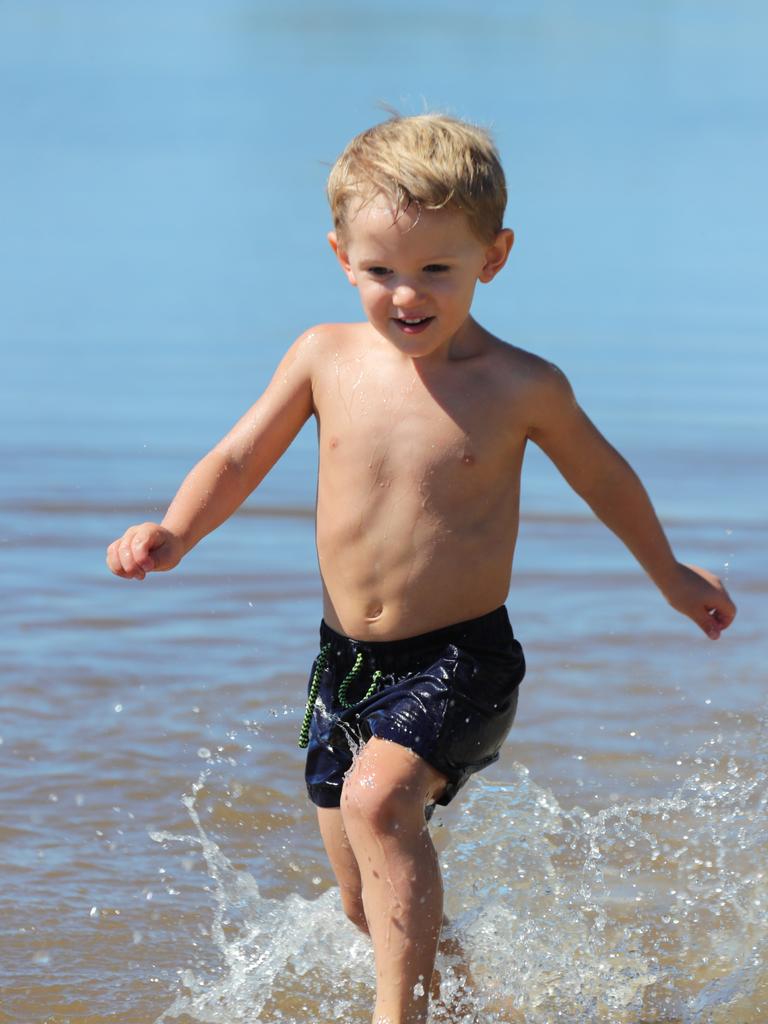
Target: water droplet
pixel 204 752
pixel 118 708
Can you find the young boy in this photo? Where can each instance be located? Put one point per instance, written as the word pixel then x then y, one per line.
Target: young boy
pixel 423 418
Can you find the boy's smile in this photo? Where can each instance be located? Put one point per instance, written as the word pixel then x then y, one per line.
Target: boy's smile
pixel 416 272
pixel 414 326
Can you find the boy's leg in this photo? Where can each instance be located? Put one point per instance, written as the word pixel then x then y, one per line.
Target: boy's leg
pixel 344 864
pixel 382 807
pixel 347 874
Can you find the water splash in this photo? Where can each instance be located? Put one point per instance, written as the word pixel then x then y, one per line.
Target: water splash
pixel 647 911
pixel 270 949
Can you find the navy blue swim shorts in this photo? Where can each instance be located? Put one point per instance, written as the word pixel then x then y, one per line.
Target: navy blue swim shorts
pixel 449 695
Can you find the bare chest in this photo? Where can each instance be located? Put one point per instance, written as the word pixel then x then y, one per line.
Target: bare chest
pixel 432 439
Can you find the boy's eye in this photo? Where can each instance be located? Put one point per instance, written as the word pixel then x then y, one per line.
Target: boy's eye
pixel 436 268
pixel 378 271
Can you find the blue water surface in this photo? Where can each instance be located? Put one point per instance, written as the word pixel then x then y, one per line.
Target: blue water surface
pixel 164 221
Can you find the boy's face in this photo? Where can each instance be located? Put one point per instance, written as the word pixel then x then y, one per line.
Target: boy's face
pixel 416 272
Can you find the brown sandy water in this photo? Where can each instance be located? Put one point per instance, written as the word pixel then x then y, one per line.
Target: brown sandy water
pixel 610 867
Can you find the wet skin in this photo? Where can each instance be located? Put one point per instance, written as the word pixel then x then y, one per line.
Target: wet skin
pixel 418 493
pixel 423 417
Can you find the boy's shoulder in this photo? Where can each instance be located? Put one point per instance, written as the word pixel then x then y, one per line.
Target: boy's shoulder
pixel 528 387
pixel 516 357
pixel 521 368
pixel 325 337
pixel 330 332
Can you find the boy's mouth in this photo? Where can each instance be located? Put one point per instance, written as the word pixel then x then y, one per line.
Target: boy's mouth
pixel 413 325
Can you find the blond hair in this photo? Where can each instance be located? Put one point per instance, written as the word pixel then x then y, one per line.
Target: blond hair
pixel 431 160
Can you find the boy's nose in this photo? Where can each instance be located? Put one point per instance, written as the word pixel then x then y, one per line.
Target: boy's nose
pixel 405 295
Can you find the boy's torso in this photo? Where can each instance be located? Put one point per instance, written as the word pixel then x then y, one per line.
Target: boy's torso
pixel 419 481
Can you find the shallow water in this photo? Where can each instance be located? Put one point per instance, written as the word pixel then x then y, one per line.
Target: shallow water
pixel 644 910
pixel 610 867
pixel 160 859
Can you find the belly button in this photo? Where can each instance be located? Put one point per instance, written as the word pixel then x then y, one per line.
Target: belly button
pixel 375 612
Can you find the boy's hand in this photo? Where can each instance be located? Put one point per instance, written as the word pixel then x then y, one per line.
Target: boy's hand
pixel 148 547
pixel 702 597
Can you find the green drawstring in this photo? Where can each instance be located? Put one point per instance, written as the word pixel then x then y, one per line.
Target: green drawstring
pixel 314 689
pixel 346 682
pixel 351 676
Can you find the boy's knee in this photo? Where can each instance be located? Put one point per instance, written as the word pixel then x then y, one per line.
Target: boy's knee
pixel 380 810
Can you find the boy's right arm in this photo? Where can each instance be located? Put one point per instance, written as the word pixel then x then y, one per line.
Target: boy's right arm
pixel 224 478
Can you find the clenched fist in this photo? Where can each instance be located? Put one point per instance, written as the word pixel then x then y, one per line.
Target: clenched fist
pixel 148 547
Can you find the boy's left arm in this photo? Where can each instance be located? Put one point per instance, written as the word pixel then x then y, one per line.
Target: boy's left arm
pixel 609 485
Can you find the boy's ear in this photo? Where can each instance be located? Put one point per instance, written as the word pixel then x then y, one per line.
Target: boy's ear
pixel 342 257
pixel 496 254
